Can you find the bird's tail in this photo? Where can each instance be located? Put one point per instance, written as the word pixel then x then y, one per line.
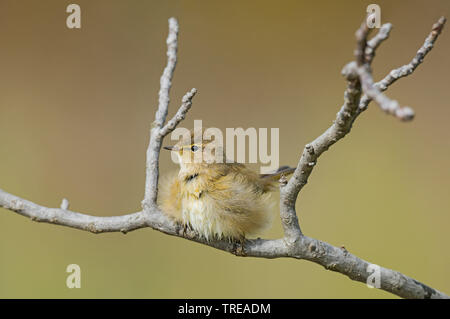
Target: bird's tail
pixel 283 170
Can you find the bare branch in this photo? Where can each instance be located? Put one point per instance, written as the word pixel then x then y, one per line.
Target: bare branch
pixel 409 68
pixel 386 104
pixel 180 115
pixel 375 42
pixel 72 219
pixel 166 78
pixel 365 74
pixel 154 147
pixel 340 127
pixel 358 76
pixel 322 253
pixel 294 244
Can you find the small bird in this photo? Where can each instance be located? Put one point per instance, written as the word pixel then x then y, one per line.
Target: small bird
pixel 216 198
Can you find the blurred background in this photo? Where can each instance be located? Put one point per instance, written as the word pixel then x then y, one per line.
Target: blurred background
pixel 76 107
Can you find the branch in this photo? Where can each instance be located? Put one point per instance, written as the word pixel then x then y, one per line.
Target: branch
pixel 294 244
pixel 322 253
pixel 158 132
pixel 365 75
pixel 152 169
pixel 409 68
pixel 375 42
pixel 180 115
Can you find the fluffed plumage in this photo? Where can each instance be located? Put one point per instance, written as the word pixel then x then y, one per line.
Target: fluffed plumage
pixel 218 200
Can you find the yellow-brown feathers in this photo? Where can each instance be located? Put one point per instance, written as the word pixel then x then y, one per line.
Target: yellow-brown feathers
pixel 218 200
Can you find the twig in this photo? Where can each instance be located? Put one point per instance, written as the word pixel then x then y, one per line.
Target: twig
pixel 409 68
pixel 375 42
pixel 180 115
pixel 158 132
pixel 365 75
pixel 65 204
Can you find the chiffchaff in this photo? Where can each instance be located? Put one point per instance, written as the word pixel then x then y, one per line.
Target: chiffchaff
pixel 216 198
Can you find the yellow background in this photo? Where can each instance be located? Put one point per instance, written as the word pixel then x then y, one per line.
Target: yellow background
pixel 75 112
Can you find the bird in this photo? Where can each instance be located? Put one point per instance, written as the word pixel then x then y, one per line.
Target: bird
pixel 216 197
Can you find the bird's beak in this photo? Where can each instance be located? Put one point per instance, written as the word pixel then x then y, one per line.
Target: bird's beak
pixel 170 148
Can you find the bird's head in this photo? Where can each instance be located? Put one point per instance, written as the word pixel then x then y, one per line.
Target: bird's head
pixel 195 150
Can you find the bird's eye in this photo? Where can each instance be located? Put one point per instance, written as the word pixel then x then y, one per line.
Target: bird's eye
pixel 194 148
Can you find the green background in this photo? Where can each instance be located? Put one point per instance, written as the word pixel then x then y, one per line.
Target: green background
pixel 76 107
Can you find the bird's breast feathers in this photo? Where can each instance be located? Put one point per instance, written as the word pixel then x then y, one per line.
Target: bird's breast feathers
pixel 199 211
pixel 200 214
pixel 223 207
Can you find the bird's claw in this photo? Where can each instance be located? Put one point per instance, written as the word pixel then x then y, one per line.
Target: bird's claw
pixel 239 247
